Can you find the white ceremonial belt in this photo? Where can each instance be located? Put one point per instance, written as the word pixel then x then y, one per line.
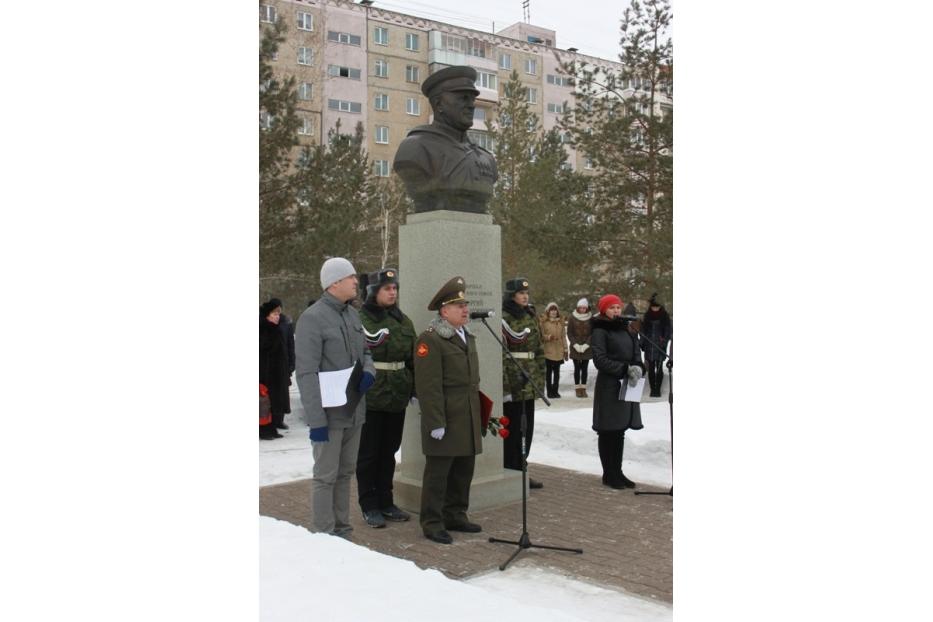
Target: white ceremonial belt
pixel 389 365
pixel 523 355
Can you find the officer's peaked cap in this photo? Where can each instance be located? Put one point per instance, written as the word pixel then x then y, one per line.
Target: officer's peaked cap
pixel 451 291
pixel 460 78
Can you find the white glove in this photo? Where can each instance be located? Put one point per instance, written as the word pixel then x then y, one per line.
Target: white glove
pixel 507 397
pixel 634 375
pixel 437 434
pixel 414 402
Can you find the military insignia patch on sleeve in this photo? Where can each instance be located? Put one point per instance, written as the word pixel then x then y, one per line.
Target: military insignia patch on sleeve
pixel 422 350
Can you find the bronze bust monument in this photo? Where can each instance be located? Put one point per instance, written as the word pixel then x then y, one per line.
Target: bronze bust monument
pixel 441 168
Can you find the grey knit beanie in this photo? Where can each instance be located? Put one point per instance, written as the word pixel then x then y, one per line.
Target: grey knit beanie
pixel 335 269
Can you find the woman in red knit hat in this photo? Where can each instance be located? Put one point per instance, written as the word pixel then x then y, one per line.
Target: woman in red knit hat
pixel 618 359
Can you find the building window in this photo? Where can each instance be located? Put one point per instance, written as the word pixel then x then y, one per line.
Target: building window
pixel 566 166
pixel 305 56
pixel 381 35
pixel 344 106
pixel 343 72
pixel 275 55
pixel 479 114
pixel 411 42
pixel 481 139
pixel 381 168
pixel 305 91
pixel 267 13
pixel 530 125
pixel 382 69
pixel 265 120
pixel 505 61
pixel 486 80
pixel 343 37
pixel 413 106
pixel 504 119
pixel 382 101
pixel 558 80
pixel 305 128
pixel 382 134
pixel 531 66
pixel 557 108
pixel 412 73
pixel 532 96
pixel 588 163
pixel 305 21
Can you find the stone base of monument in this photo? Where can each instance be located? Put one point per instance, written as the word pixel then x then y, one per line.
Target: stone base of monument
pixel 433 247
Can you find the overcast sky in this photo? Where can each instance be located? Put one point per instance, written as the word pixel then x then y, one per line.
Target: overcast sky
pixel 594 31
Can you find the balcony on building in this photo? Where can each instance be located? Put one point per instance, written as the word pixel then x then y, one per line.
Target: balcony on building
pixel 448 50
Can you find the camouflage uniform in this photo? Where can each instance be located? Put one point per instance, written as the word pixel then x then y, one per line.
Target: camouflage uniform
pixel 529 353
pixel 390 337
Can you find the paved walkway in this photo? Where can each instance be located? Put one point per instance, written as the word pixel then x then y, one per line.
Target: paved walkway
pixel 627 539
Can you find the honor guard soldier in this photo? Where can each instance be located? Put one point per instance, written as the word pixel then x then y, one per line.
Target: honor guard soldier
pixel 521 333
pixel 447 384
pixel 390 337
pixel 441 168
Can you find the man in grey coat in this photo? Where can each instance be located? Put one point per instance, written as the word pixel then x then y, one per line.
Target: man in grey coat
pixel 329 337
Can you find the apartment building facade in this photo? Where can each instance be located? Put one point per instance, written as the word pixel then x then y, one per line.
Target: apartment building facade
pixel 358 63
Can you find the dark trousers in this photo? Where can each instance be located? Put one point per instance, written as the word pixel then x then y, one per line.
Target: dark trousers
pixel 375 465
pixel 552 376
pixel 512 446
pixel 445 491
pixel 579 371
pixel 610 454
pixel 655 376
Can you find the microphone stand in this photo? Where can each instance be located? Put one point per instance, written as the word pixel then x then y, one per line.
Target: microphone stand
pixel 524 542
pixel 670 400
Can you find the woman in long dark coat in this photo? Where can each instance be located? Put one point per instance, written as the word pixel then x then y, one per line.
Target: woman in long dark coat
pixel 273 368
pixel 618 359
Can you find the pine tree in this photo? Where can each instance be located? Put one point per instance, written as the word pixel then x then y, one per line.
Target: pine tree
pixel 539 203
pixel 316 202
pixel 278 126
pixel 623 123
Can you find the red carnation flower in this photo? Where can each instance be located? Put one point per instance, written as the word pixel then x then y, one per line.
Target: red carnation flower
pixel 263 391
pixel 504 433
pixel 504 421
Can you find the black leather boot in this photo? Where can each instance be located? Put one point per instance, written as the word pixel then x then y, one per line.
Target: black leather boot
pixel 626 482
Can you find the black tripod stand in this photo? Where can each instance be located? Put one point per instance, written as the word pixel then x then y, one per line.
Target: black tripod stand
pixel 524 542
pixel 670 400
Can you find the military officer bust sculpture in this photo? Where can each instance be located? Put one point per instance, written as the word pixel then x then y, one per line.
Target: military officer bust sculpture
pixel 441 168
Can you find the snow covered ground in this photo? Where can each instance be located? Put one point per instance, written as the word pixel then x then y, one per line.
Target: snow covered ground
pixel 304 575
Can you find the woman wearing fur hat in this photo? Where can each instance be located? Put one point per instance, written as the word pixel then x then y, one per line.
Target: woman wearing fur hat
pixel 273 367
pixel 617 359
pixel 579 330
pixel 554 336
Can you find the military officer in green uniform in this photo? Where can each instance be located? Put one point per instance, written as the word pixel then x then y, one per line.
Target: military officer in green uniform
pixel 447 384
pixel 521 334
pixel 441 168
pixel 390 337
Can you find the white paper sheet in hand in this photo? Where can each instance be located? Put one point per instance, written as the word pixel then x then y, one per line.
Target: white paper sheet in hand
pixel 632 394
pixel 334 387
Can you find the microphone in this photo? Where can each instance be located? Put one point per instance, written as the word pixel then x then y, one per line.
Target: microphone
pixel 482 314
